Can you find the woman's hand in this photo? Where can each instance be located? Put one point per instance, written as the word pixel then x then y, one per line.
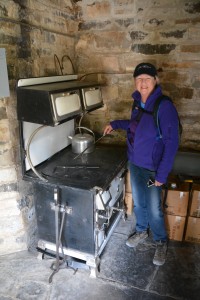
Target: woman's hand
pixel 107 129
pixel 157 183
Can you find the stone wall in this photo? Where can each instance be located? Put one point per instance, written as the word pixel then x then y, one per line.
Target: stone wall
pixel 32 32
pixel 108 38
pixel 114 36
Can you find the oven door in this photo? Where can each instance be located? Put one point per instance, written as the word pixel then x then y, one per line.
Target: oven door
pixel 65 105
pixel 92 98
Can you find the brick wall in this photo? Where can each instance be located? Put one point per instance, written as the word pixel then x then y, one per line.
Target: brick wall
pixel 106 37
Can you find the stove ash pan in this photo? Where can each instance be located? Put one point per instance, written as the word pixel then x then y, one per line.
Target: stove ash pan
pixel 52 103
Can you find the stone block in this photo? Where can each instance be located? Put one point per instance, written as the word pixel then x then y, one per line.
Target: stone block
pixel 111 63
pixel 4 131
pixel 138 35
pixel 9 206
pixel 111 41
pixel 189 21
pixel 6 155
pixel 175 76
pixel 196 83
pixel 177 34
pixel 6 190
pixel 192 7
pixel 3 114
pixel 125 22
pixel 190 48
pixel 153 49
pixel 8 174
pixel 110 92
pixel 97 10
pixel 11 244
pixel 122 108
pixel 193 33
pixel 12 225
pixel 180 65
pixel 123 7
pixel 91 25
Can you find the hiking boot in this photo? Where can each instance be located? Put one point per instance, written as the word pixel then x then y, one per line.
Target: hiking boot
pixel 160 254
pixel 136 238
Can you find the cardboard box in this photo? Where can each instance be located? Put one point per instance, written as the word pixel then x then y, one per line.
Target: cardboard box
pixel 177 199
pixel 127 182
pixel 195 201
pixel 175 227
pixel 128 201
pixel 193 230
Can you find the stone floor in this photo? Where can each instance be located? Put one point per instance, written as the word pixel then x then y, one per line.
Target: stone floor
pixel 124 274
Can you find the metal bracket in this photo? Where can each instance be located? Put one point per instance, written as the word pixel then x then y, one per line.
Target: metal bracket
pixel 62 208
pixel 118 209
pixel 98 189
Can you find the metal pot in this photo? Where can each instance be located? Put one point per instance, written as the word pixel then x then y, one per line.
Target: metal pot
pixel 81 141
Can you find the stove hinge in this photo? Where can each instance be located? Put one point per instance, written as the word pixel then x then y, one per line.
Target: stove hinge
pixel 108 210
pixel 56 205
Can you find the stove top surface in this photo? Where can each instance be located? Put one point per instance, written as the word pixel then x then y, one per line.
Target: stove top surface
pixel 87 171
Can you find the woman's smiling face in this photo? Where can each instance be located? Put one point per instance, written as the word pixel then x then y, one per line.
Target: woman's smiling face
pixel 145 84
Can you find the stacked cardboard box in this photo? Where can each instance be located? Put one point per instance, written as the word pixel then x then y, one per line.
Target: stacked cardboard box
pixel 195 201
pixel 193 222
pixel 175 209
pixel 175 227
pixel 181 209
pixel 128 195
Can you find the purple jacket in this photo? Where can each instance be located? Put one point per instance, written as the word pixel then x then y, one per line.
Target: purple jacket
pixel 144 149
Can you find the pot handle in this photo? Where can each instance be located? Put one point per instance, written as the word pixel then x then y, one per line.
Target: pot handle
pixel 85 129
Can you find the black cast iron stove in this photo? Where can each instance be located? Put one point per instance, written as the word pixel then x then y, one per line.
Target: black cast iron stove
pixel 78 201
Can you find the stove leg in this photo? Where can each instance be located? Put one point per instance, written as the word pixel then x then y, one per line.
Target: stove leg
pixel 93 272
pixel 40 256
pixel 94 266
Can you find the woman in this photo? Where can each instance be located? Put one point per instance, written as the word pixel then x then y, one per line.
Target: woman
pixel 150 156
